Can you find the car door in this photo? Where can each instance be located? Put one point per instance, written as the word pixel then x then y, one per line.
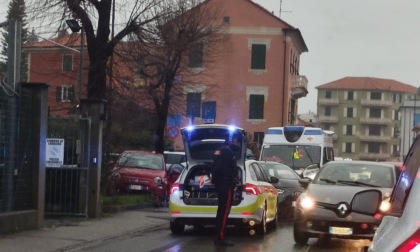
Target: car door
pixel 266 188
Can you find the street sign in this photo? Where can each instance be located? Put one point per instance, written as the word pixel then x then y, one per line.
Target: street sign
pixel 174 120
pixel 173 131
pixel 208 114
pixel 54 152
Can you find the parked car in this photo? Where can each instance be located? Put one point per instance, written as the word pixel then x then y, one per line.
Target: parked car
pixel 399 230
pixel 323 210
pixel 288 186
pixel 140 172
pixel 174 157
pixel 193 199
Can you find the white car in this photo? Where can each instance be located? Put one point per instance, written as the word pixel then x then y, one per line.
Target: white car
pixel 174 157
pixel 193 199
pixel 399 231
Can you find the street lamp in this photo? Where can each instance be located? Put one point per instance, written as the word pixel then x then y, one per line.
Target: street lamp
pixel 75 27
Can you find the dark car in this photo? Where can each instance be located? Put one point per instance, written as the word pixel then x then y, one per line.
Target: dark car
pixel 400 228
pixel 140 172
pixel 288 187
pixel 323 210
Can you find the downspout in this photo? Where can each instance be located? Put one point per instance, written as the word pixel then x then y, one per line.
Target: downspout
pixel 284 80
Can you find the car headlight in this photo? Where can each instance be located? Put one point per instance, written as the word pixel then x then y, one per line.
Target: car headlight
pixel 158 180
pixel 385 206
pixel 306 202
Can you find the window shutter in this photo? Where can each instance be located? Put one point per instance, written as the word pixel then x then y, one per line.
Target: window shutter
pixel 194 104
pixel 256 107
pixel 71 93
pixel 58 93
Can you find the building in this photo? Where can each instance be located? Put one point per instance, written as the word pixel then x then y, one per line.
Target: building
pixel 410 123
pixel 364 114
pixel 257 78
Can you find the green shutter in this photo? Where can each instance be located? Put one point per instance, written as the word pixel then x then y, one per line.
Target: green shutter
pixel 258 56
pixel 256 107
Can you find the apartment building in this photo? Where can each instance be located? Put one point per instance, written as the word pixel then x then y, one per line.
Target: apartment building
pixel 258 79
pixel 364 114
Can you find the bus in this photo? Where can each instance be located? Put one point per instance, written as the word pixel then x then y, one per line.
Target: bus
pixel 298 146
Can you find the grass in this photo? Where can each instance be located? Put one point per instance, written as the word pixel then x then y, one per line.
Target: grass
pixel 124 199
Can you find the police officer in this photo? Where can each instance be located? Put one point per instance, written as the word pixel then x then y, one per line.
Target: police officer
pixel 224 177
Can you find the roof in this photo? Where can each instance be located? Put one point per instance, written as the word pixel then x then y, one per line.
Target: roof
pixel 368 83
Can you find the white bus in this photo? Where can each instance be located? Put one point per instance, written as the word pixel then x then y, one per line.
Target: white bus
pixel 298 146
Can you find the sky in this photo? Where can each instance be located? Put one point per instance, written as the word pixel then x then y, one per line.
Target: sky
pixel 349 38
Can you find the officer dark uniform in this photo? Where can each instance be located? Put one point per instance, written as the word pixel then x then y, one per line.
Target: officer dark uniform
pixel 224 177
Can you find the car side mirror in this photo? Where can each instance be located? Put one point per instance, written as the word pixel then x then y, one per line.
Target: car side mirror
pixel 305 182
pixel 310 171
pixel 273 180
pixel 366 202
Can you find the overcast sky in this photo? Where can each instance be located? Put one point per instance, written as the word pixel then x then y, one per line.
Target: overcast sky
pixel 364 38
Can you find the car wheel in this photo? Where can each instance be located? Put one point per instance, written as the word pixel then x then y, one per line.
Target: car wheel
pixel 262 227
pixel 300 237
pixel 176 227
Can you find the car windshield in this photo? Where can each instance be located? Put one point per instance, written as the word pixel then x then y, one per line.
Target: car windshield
pixel 296 157
pixel 174 158
pixel 143 161
pixel 356 174
pixel 280 171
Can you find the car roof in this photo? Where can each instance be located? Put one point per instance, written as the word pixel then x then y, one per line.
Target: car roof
pixel 174 152
pixel 142 152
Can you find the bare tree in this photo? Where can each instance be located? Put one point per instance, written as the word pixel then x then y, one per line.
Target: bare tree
pixel 170 53
pixel 96 17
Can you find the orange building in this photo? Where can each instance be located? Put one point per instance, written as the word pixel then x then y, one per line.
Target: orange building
pixel 256 81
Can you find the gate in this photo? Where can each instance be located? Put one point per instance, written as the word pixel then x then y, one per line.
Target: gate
pixel 67 174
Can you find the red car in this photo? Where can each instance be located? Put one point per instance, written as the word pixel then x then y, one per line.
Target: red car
pixel 140 171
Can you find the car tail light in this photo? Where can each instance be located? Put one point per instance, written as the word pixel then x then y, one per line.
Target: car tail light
pixel 252 189
pixel 174 188
pixel 411 244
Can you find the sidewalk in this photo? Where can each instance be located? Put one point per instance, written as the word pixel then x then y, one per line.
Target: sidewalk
pixel 70 233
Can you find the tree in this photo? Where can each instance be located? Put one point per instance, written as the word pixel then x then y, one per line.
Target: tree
pixel 16 12
pixel 170 55
pixel 101 42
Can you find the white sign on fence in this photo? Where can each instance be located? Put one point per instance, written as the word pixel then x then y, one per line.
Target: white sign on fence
pixel 55 152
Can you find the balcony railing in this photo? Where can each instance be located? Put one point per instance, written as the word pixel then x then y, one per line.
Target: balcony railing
pixel 375 103
pixel 328 119
pixel 381 121
pixel 325 101
pixel 371 138
pixel 374 156
pixel 299 86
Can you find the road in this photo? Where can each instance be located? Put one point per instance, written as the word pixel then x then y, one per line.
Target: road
pixel 201 240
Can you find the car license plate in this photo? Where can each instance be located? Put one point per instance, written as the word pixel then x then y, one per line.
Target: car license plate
pixel 135 187
pixel 341 230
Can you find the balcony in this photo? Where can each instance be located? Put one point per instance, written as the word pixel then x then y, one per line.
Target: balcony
pixel 299 86
pixel 375 103
pixel 372 138
pixel 332 101
pixel 378 121
pixel 374 156
pixel 328 119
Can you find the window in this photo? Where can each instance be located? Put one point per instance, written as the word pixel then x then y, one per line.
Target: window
pixel 373 148
pixel 375 113
pixel 347 147
pixel 226 19
pixel 328 94
pixel 67 62
pixel 350 95
pixel 327 111
pixel 195 57
pixel 258 56
pixel 258 138
pixel 349 130
pixel 374 130
pixel 193 104
pixel 375 96
pixel 65 93
pixel 349 112
pixel 256 106
pixel 396 117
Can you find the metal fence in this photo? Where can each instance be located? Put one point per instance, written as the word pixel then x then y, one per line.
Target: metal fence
pixel 67 176
pixel 16 142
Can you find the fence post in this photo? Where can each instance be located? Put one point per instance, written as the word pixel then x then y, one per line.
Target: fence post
pixel 94 109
